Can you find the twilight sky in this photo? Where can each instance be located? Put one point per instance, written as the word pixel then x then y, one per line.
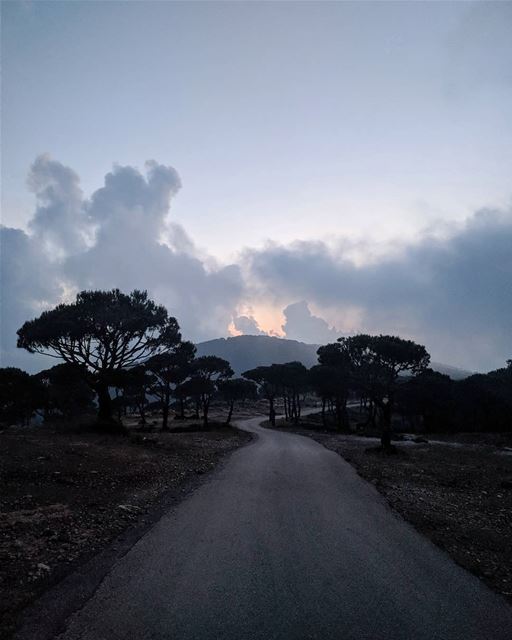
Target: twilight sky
pixel 341 165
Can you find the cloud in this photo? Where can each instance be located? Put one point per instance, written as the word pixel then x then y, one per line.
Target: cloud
pixel 301 324
pixel 248 326
pixel 29 284
pixel 120 237
pixel 131 213
pixel 59 222
pixel 452 294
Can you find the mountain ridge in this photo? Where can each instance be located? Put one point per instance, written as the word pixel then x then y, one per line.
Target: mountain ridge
pixel 248 351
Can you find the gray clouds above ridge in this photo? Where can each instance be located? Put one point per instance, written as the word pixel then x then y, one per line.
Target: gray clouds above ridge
pixel 452 293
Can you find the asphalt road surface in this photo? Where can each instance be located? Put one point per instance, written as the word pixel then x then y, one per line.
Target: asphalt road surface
pixel 287 542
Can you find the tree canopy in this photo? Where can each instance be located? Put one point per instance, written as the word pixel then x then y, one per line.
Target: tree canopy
pixel 236 390
pixel 169 369
pixel 103 331
pixel 268 379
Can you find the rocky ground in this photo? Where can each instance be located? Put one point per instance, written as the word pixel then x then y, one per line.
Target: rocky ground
pixel 457 490
pixel 66 496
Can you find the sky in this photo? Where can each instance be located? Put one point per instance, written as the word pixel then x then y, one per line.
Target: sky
pixel 315 168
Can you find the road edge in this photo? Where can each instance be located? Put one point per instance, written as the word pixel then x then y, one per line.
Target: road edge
pixel 46 617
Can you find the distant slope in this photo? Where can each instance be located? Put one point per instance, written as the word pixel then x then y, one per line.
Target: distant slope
pixel 454 372
pixel 246 352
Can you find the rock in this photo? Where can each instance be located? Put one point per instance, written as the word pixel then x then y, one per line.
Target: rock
pixel 41 567
pixel 129 508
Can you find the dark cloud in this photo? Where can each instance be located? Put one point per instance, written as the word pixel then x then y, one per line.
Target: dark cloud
pixel 248 326
pixel 454 295
pixel 301 324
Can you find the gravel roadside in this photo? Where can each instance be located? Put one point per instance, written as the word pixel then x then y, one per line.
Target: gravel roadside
pixel 68 496
pixel 456 490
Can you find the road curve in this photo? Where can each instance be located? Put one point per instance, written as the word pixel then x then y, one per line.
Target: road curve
pixel 286 542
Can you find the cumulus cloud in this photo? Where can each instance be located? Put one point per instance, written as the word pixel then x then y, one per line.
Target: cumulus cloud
pixel 452 294
pixel 59 222
pixel 131 212
pixel 301 324
pixel 119 237
pixel 248 326
pixel 29 284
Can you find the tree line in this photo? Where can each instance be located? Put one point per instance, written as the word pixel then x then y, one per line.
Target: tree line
pixel 123 353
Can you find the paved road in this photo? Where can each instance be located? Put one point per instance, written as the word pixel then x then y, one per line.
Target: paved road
pixel 287 542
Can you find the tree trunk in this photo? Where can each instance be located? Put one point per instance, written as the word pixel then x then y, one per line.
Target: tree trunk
pixel 105 418
pixel 370 421
pixel 165 409
pixel 142 407
pixel 272 413
pixel 104 403
pixel 295 409
pixel 339 423
pixel 385 438
pixel 323 412
pixel 182 409
pixel 230 413
pixel 165 417
pixel 206 406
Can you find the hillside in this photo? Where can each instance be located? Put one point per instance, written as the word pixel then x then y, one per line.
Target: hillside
pixel 246 352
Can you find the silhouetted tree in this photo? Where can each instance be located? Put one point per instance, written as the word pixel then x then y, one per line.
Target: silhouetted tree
pixel 20 395
pixel 135 385
pixel 377 362
pixel 484 401
pixel 189 390
pixel 103 331
pixel 236 390
pixel 337 359
pixel 324 381
pixel 429 395
pixel 268 379
pixel 169 369
pixel 66 393
pixel 207 372
pixel 293 378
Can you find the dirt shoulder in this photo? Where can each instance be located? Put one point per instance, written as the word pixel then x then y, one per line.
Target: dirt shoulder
pixel 455 490
pixel 66 497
